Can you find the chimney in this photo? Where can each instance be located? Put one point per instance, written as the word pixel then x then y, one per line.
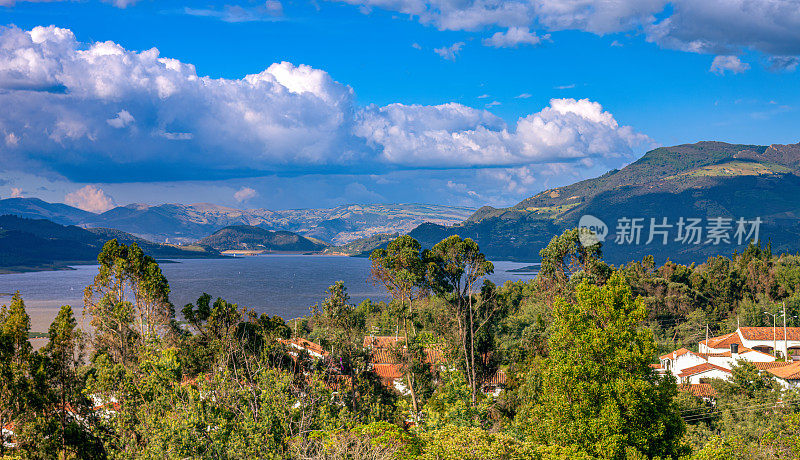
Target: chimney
pixel 734 349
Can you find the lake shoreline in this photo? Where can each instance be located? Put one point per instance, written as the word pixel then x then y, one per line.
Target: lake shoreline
pixel 286 285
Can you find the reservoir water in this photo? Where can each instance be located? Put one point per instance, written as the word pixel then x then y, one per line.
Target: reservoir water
pixel 284 285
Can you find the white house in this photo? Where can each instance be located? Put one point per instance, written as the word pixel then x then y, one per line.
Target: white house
pixel 788 375
pixel 763 339
pixel 694 375
pixel 689 367
pixel 678 360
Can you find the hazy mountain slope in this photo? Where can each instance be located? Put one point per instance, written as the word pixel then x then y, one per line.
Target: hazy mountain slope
pixel 34 208
pixel 703 180
pixel 339 225
pixel 38 244
pixel 249 238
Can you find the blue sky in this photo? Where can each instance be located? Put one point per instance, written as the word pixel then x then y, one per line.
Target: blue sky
pixel 378 114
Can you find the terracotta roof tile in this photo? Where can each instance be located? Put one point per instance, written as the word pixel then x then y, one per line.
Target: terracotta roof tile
pixel 299 342
pixel 379 341
pixel 499 378
pixel 435 355
pixel 701 390
pixel 700 368
pixel 675 354
pixel 770 365
pixel 383 356
pixel 765 333
pixel 723 341
pixel 387 371
pixel 788 372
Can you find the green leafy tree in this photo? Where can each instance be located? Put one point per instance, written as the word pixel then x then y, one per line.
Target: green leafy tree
pixel 565 257
pixel 456 267
pixel 401 270
pixel 128 301
pixel 59 417
pixel 15 351
pixel 341 327
pixel 597 391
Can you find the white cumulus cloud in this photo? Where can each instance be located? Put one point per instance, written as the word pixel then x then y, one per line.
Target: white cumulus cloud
pixel 733 64
pixel 514 37
pixel 98 112
pixel 449 52
pixel 90 198
pixel 123 119
pixel 453 135
pixel 244 194
pixel 71 96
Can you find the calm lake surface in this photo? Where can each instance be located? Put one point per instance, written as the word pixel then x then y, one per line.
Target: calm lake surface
pixel 284 285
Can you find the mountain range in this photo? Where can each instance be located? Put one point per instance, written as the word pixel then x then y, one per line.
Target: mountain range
pixel 708 183
pixel 39 244
pixel 182 223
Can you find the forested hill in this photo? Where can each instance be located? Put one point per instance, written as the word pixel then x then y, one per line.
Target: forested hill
pixel 249 238
pixel 705 180
pixel 38 244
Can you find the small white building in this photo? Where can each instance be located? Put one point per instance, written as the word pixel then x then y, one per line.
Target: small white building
pixel 788 375
pixel 678 360
pixel 695 374
pixel 763 339
pixel 711 362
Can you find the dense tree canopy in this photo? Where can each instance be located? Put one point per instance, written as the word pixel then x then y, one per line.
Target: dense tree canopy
pixel 570 350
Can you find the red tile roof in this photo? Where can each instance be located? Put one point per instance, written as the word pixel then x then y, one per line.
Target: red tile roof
pixel 383 356
pixel 723 341
pixel 305 344
pixel 788 372
pixel 434 354
pixel 379 341
pixel 388 371
pixel 656 366
pixel 675 354
pixel 701 390
pixel 765 333
pixel 499 378
pixel 770 365
pixel 700 368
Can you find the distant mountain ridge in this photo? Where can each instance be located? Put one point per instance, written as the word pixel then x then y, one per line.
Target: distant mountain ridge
pixel 188 223
pixel 249 238
pixel 39 244
pixel 703 180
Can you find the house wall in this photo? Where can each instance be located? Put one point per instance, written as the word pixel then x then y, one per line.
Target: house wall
pixel 780 345
pixel 684 361
pixel 709 374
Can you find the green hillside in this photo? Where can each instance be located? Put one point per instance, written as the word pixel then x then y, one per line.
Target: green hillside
pixel 249 238
pixel 38 244
pixel 703 180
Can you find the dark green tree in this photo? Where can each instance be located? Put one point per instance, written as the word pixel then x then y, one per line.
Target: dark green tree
pixel 59 418
pixel 596 389
pixel 15 351
pixel 128 302
pixel 401 270
pixel 455 268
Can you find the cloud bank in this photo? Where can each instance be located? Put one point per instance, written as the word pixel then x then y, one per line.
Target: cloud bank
pixel 721 27
pixel 95 112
